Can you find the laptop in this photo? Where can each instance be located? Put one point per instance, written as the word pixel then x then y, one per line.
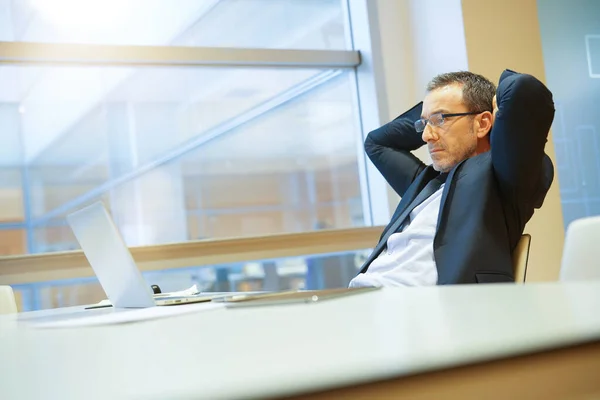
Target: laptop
pixel 113 264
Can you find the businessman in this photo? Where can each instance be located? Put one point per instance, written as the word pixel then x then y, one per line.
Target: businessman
pixel 460 218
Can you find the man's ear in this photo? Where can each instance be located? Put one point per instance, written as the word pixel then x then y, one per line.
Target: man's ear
pixel 485 120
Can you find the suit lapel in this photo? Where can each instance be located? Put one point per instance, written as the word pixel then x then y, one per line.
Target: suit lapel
pixel 453 176
pixel 420 182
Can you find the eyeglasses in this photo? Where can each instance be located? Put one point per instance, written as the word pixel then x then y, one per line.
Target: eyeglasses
pixel 437 119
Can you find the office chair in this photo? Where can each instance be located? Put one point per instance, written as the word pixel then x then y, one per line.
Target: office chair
pixel 8 304
pixel 581 254
pixel 521 257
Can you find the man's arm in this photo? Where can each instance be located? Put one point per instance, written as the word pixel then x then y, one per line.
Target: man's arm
pixel 522 122
pixel 390 146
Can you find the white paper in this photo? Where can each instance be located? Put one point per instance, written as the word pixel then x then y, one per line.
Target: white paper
pixel 187 292
pixel 182 293
pixel 122 316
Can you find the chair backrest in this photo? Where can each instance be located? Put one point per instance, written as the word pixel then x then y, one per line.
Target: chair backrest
pixel 581 254
pixel 8 304
pixel 521 257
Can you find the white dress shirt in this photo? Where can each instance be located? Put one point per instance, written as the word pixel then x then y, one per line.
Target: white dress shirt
pixel 408 259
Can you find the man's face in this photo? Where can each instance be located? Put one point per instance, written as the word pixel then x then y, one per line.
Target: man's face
pixel 455 140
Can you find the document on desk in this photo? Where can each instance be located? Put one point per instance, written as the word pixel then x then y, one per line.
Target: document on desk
pixel 192 291
pixel 111 316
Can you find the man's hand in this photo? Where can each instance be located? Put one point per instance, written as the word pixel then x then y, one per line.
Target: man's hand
pixel 495 109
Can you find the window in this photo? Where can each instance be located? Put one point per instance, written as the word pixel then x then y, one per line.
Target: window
pixel 179 153
pixel 189 122
pixel 177 158
pixel 282 24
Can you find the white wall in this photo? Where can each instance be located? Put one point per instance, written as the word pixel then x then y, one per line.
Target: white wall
pixel 419 39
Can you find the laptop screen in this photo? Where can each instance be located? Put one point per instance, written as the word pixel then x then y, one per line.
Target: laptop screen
pixel 110 258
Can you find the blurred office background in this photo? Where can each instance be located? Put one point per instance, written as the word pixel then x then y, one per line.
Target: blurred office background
pixel 571 44
pixel 181 153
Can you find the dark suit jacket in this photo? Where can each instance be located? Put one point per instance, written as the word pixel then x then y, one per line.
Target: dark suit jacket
pixel 487 199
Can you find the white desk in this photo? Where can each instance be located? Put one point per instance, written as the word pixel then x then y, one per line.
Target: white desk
pixel 286 350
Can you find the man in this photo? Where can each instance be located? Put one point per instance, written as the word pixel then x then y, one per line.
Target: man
pixel 460 218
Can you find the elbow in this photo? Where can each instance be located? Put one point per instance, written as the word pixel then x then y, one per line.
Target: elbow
pixel 530 85
pixel 528 98
pixel 373 150
pixel 546 178
pixel 529 89
pixel 370 145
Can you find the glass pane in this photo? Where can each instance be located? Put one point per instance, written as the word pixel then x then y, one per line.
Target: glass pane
pixel 182 153
pixel 88 125
pixel 54 235
pixel 11 161
pixel 571 45
pixel 12 217
pixel 322 271
pixel 295 24
pixel 11 192
pixel 12 241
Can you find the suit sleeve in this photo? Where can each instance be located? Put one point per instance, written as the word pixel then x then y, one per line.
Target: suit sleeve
pixel 390 146
pixel 520 131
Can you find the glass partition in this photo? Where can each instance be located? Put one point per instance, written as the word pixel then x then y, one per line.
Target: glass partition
pixel 570 34
pixel 320 271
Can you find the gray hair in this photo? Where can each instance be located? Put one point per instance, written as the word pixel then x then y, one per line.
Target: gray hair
pixel 478 91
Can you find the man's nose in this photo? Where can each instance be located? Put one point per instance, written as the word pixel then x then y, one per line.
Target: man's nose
pixel 428 134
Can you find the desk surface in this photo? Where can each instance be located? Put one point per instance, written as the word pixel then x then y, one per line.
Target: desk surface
pixel 285 350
